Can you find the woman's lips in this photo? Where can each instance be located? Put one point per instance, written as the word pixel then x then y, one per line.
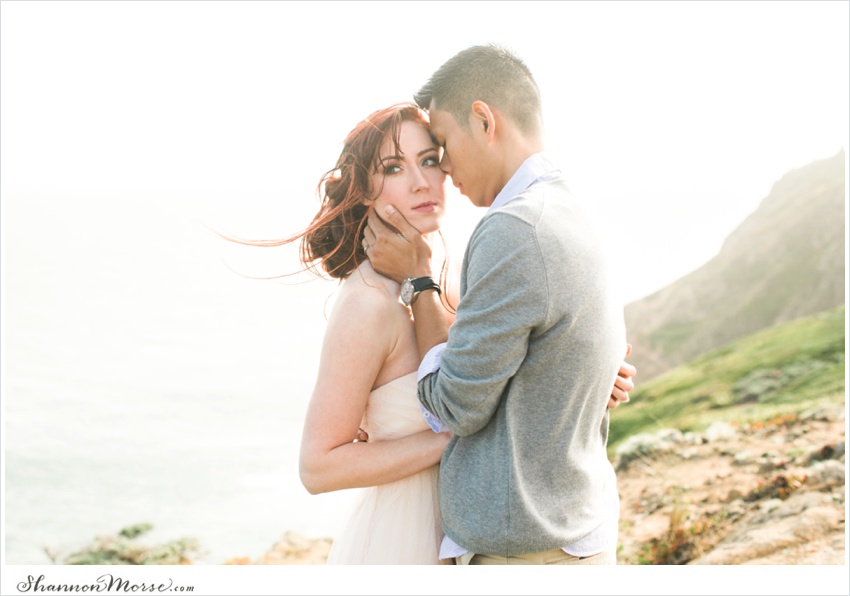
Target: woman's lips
pixel 426 207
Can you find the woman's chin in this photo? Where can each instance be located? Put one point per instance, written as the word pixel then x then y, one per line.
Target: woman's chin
pixel 428 225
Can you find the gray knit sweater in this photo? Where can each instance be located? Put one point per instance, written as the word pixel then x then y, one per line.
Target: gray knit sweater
pixel 525 379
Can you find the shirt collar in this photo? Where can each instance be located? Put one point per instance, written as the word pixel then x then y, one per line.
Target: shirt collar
pixel 536 168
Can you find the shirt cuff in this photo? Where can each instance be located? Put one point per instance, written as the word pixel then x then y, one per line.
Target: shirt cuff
pixel 431 364
pixel 449 549
pixel 435 423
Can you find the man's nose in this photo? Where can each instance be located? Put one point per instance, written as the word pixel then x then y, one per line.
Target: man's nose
pixel 446 164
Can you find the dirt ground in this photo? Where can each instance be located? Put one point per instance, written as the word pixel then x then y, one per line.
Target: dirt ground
pixel 771 494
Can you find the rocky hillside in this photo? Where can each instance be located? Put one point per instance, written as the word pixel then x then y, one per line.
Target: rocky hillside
pixel 786 260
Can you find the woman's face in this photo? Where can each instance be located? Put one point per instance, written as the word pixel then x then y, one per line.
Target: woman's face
pixel 411 181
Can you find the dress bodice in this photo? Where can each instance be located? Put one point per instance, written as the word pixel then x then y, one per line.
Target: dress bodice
pixel 392 410
pixel 397 522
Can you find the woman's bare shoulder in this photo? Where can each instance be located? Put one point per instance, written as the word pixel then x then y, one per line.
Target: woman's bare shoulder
pixel 366 289
pixel 368 312
pixel 364 279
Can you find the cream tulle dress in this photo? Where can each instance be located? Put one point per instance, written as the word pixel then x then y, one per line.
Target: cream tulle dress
pixel 398 522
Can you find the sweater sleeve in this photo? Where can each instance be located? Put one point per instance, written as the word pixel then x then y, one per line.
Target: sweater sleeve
pixel 504 302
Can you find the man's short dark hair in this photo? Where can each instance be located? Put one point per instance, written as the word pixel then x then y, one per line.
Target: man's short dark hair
pixel 489 73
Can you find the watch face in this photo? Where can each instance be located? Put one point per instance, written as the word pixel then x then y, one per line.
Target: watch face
pixel 406 291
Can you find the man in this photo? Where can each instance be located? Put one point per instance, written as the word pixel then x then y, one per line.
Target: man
pixel 524 378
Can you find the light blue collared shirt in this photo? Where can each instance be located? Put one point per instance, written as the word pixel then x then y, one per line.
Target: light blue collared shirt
pixel 536 168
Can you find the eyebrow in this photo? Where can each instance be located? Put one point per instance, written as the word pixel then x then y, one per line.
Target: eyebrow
pixel 400 157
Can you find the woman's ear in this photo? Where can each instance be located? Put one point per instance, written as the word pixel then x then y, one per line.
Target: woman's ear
pixel 369 199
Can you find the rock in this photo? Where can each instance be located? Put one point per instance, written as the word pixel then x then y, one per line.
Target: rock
pixel 743 458
pixel 794 506
pixel 824 413
pixel 822 453
pixel 770 505
pixel 669 435
pixel 295 549
pixel 719 431
pixel 767 466
pixel 829 473
pixel 694 438
pixel 645 444
pixel 828 451
pixel 734 495
pixel 787 526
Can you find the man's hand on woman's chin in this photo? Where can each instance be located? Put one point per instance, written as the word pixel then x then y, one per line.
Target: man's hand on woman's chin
pixel 396 249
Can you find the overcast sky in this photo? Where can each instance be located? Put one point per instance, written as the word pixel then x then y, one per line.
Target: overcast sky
pixel 671 120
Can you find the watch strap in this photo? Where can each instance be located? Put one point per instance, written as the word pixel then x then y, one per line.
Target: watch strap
pixel 425 283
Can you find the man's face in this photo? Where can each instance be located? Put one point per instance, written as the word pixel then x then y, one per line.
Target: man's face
pixel 463 156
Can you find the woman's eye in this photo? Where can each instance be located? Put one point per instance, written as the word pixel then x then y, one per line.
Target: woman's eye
pixel 431 161
pixel 392 169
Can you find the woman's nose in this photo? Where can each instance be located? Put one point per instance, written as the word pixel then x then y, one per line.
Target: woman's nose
pixel 420 180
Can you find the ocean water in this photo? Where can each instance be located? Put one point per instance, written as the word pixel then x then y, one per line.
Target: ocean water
pixel 147 381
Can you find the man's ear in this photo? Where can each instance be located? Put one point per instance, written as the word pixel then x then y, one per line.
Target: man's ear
pixel 483 119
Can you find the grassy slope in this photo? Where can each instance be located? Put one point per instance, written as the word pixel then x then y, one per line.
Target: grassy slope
pixel 781 370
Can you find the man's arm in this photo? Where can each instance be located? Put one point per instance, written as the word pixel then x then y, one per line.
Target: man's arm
pixel 505 301
pixel 402 255
pixel 493 324
pixel 429 318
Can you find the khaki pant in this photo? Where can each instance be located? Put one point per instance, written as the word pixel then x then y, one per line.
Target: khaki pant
pixel 551 557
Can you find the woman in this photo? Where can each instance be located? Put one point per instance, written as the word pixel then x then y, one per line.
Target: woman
pixel 367 372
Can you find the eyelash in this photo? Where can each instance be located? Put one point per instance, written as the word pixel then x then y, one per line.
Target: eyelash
pixel 388 170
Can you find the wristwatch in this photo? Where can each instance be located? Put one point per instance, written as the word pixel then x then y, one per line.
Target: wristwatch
pixel 411 287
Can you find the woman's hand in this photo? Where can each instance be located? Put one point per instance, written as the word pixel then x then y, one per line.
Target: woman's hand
pixel 623 384
pixel 440 440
